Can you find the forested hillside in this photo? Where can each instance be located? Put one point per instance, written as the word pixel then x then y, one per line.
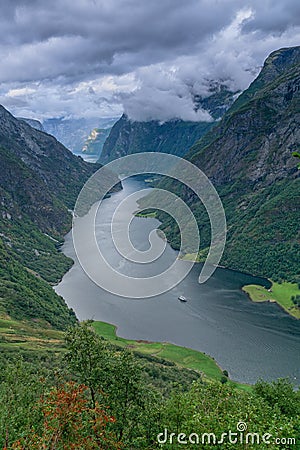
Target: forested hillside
pixel 248 157
pixel 39 182
pixel 100 396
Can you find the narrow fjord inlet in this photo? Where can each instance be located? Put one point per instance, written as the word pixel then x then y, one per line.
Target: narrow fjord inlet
pixel 149 225
pixel 249 340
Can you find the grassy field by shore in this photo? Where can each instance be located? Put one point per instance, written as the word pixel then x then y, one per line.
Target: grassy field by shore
pixel 26 335
pixel 181 356
pixel 146 215
pixel 279 293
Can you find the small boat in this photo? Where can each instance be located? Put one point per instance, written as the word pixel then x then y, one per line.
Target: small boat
pixel 182 298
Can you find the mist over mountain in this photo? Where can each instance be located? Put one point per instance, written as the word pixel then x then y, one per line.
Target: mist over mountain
pixel 248 157
pixel 95 141
pixel 33 123
pixel 174 136
pixel 73 133
pixel 162 55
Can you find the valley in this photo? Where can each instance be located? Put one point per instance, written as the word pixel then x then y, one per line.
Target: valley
pixel 91 369
pixel 218 319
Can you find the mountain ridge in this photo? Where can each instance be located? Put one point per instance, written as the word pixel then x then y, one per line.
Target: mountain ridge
pixel 39 183
pixel 174 136
pixel 248 157
pixel 34 123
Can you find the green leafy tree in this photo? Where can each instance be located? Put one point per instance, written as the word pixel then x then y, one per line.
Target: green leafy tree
pixel 20 389
pixel 89 358
pixel 113 377
pixel 213 409
pixel 280 393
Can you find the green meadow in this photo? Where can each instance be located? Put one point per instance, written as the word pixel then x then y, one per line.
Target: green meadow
pixel 280 293
pixel 181 356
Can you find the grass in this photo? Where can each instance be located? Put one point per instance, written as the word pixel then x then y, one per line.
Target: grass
pixel 146 214
pixel 28 335
pixel 190 257
pixel 279 293
pixel 195 257
pixel 181 356
pixel 38 336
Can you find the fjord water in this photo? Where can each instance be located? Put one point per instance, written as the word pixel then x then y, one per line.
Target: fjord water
pixel 249 340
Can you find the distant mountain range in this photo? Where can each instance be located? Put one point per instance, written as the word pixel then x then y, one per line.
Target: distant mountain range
pixel 248 157
pixel 95 141
pixel 74 133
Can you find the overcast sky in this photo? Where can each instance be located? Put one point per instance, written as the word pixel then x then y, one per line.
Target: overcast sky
pixel 97 58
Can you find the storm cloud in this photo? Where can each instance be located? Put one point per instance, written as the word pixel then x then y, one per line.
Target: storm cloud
pixel 98 58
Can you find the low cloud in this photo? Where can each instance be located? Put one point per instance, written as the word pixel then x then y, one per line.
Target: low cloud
pixel 150 103
pixel 231 58
pixel 97 58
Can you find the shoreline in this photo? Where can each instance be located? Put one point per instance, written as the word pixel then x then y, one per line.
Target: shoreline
pixel 285 304
pixel 278 293
pixel 179 353
pixel 182 356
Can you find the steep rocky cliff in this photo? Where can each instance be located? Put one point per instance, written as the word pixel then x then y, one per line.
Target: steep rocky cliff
pixel 256 137
pixel 39 181
pixel 175 136
pixel 39 173
pixel 248 157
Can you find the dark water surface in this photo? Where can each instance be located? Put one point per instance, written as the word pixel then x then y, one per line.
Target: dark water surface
pixel 250 340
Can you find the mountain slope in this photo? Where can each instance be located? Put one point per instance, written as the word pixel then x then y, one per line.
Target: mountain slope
pixel 33 123
pixel 39 181
pixel 128 137
pixel 248 157
pixel 260 130
pixel 176 136
pixel 57 168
